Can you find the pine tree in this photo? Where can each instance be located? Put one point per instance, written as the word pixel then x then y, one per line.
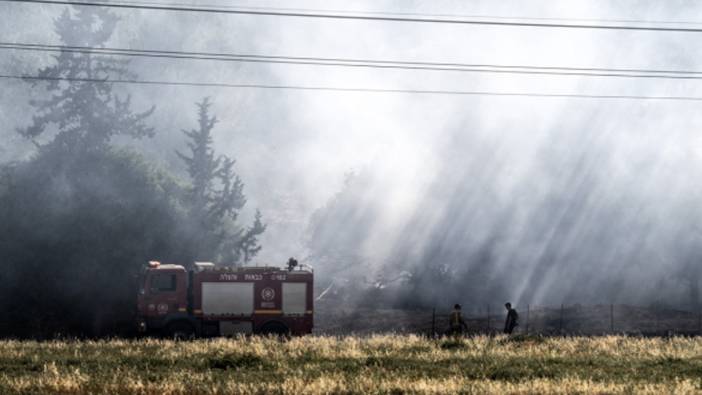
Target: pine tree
pixel 249 246
pixel 84 215
pixel 86 114
pixel 215 198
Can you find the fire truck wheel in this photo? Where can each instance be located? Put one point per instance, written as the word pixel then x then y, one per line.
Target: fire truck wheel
pixel 180 330
pixel 274 328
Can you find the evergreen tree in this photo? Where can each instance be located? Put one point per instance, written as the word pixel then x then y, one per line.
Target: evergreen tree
pixel 215 198
pixel 85 114
pixel 248 245
pixel 80 218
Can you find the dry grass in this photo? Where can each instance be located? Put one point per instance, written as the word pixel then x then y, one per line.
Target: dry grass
pixel 378 364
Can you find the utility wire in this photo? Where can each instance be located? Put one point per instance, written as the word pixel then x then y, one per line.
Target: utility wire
pixel 415 14
pixel 378 18
pixel 365 63
pixel 361 90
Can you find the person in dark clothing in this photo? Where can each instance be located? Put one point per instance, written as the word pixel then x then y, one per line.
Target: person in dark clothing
pixel 292 263
pixel 512 319
pixel 457 325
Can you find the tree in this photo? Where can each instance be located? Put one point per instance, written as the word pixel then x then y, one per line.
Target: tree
pixel 86 114
pixel 79 219
pixel 248 245
pixel 214 199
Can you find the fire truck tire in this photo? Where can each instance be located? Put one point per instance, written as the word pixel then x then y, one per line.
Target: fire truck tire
pixel 274 328
pixel 180 330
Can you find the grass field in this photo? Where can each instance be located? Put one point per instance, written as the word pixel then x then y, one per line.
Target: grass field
pixel 378 364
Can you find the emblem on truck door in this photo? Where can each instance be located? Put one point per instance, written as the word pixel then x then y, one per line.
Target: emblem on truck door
pixel 267 294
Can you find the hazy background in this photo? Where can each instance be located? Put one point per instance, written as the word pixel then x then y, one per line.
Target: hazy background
pixel 463 198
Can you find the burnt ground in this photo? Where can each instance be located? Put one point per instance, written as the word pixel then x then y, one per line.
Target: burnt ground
pixel 570 320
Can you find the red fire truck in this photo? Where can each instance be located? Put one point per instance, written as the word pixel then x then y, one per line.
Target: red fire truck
pixel 222 301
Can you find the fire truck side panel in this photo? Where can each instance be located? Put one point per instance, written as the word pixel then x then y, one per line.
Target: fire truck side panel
pixel 294 298
pixel 231 328
pixel 236 299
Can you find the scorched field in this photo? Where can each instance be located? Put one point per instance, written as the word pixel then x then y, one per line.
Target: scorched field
pixel 376 364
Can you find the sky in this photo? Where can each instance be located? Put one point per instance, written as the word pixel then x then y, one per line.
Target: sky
pixel 623 174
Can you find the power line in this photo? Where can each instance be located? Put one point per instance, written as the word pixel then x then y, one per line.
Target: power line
pixel 351 90
pixel 415 14
pixel 366 63
pixel 338 16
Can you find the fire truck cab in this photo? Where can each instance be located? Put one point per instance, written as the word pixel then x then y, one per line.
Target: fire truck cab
pixel 209 301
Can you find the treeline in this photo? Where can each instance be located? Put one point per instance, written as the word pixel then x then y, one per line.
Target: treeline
pixel 80 219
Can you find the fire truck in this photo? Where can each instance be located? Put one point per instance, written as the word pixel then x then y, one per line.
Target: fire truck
pixel 208 301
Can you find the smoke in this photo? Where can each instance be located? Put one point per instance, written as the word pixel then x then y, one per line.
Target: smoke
pixel 540 200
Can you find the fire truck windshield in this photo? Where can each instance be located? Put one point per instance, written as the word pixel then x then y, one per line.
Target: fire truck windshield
pixel 163 283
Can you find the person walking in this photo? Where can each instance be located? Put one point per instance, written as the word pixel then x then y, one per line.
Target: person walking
pixel 512 319
pixel 457 325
